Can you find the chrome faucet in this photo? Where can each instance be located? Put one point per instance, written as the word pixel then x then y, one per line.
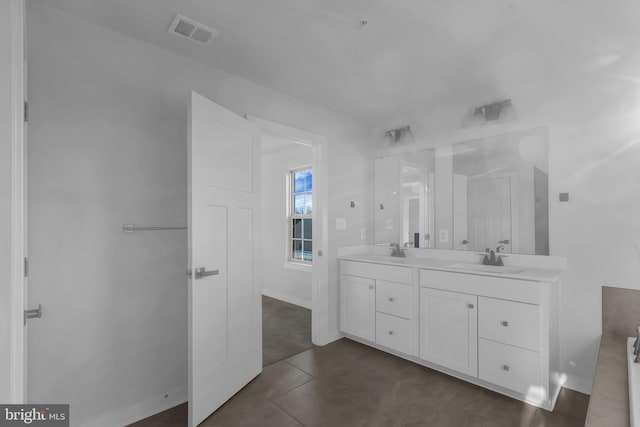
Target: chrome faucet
pixel 396 250
pixel 490 257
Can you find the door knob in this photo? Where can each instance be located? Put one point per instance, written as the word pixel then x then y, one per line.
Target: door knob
pixel 201 272
pixel 36 313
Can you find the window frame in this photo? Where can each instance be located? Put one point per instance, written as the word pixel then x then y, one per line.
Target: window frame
pixel 291 216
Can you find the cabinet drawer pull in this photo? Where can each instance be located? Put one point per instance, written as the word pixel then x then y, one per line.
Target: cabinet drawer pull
pixel 469 305
pixel 504 323
pixel 505 368
pixel 390 332
pixel 390 299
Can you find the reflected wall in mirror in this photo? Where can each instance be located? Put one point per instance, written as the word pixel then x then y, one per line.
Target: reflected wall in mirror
pixel 501 193
pixel 404 199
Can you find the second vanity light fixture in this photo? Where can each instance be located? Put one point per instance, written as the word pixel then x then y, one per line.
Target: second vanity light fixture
pixel 397 134
pixel 492 111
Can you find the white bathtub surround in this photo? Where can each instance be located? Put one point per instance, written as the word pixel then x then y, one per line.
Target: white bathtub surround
pixel 633 370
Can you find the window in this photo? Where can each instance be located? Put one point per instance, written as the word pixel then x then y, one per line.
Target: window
pixel 300 219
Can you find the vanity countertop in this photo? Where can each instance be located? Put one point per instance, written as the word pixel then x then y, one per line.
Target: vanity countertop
pixel 536 274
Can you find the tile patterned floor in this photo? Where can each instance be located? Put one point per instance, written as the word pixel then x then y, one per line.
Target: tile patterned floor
pixel 349 384
pixel 286 330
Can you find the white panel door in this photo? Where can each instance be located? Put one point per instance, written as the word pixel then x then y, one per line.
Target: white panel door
pixel 449 329
pixel 225 324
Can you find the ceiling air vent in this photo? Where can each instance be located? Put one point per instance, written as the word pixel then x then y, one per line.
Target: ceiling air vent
pixel 192 30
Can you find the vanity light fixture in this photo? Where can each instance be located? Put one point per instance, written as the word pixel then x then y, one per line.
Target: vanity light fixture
pixel 492 112
pixel 397 134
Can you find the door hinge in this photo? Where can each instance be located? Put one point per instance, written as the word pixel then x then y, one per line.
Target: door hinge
pixel 26 111
pixel 26 267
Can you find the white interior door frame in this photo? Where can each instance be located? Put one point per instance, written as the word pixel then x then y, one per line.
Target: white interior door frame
pixel 18 356
pixel 320 270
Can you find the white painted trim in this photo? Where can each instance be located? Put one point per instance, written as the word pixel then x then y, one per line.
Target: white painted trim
pixel 140 410
pixel 579 384
pixel 320 334
pixel 287 298
pixel 298 266
pixel 18 383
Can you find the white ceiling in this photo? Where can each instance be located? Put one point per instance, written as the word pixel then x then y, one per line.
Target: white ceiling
pixel 414 57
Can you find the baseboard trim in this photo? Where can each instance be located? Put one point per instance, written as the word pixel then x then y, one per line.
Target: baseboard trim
pixel 141 410
pixel 287 298
pixel 579 384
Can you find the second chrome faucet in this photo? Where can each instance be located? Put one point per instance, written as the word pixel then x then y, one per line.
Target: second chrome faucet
pixel 396 251
pixel 492 257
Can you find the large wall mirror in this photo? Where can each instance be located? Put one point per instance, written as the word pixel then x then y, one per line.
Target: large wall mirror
pixel 501 193
pixel 404 199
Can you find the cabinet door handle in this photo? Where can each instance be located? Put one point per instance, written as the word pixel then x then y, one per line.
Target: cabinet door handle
pixel 370 286
pixel 390 299
pixel 469 305
pixel 504 323
pixel 505 368
pixel 390 332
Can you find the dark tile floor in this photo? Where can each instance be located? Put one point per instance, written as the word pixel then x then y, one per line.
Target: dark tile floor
pixel 349 384
pixel 286 330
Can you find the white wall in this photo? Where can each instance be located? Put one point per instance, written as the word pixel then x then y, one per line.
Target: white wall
pixel 5 197
pixel 108 147
pixel 289 285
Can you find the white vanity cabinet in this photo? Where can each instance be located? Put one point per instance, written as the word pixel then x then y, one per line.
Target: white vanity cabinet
pixel 509 341
pixel 376 304
pixel 497 331
pixel 509 345
pixel 448 329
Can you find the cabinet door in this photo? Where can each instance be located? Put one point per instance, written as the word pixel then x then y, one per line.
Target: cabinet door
pixel 358 306
pixel 449 330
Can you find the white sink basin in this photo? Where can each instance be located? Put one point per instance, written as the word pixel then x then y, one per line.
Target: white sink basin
pixel 486 268
pixel 383 258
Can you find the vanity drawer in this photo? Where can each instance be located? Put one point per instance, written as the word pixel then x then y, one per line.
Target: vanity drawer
pixel 509 322
pixel 393 332
pixel 510 367
pixel 393 298
pixel 376 271
pixel 498 287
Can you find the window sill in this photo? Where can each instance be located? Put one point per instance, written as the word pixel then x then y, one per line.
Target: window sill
pixel 298 266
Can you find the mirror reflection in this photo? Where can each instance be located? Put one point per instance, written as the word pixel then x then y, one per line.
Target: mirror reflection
pixel 404 199
pixel 500 193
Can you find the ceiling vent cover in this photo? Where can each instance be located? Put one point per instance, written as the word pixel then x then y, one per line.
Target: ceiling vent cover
pixel 192 30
